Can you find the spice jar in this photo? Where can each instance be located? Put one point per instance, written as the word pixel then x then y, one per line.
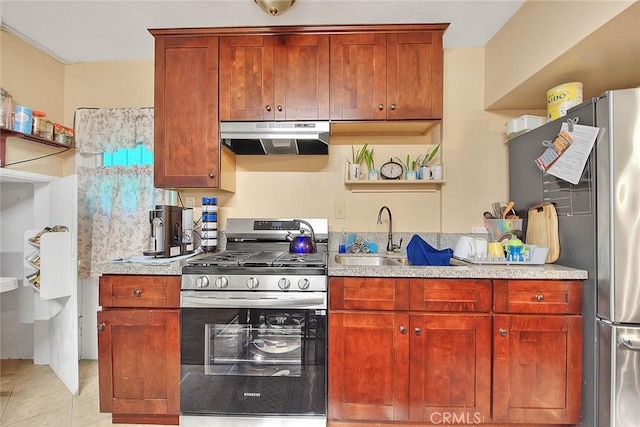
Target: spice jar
pixel 37 122
pixel 6 109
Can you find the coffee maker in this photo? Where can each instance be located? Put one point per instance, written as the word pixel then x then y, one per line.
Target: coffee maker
pixel 171 231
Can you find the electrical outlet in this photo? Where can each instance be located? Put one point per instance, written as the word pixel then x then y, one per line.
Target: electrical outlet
pixel 479 230
pixel 340 210
pixel 191 202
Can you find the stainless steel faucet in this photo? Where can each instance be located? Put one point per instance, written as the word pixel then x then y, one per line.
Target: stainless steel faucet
pixel 391 247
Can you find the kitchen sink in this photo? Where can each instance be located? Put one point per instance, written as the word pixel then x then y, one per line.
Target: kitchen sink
pixel 382 261
pixel 364 260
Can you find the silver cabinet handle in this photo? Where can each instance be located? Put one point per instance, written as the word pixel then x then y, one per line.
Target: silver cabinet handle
pixel 418 331
pixel 101 326
pixel 279 107
pixel 403 330
pixel 393 106
pixel 631 342
pixel 380 107
pixel 268 107
pixel 211 175
pixel 502 332
pixel 137 292
pixel 540 298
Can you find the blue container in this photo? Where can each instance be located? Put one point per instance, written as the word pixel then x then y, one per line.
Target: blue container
pixel 23 119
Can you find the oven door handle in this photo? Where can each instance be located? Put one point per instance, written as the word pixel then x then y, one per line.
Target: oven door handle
pixel 310 301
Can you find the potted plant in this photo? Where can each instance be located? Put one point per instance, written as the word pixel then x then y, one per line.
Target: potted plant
pixel 356 160
pixel 371 166
pixel 411 167
pixel 425 170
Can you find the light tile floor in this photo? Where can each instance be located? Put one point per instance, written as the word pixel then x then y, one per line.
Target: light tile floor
pixel 33 396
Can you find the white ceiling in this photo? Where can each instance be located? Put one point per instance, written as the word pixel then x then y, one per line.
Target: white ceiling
pixel 116 30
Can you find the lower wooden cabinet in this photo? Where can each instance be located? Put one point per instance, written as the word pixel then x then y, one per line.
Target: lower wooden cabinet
pixel 139 348
pixel 391 363
pixel 537 346
pixel 407 352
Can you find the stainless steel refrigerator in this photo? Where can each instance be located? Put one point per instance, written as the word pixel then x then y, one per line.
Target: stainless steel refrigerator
pixel 599 231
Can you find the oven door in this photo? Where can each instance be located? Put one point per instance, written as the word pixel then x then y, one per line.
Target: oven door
pixel 253 361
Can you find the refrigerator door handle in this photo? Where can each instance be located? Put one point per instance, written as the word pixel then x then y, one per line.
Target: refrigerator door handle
pixel 631 342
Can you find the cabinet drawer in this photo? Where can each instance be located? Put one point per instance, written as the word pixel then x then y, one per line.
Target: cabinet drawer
pixel 368 293
pixel 139 291
pixel 537 296
pixel 464 295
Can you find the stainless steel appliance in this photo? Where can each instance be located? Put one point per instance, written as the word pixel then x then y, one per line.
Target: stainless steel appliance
pixel 170 233
pixel 253 323
pixel 276 137
pixel 599 230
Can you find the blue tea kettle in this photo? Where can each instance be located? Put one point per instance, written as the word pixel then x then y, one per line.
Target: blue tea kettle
pixel 303 243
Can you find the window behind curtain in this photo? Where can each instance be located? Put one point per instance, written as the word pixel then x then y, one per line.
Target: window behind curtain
pixel 138 156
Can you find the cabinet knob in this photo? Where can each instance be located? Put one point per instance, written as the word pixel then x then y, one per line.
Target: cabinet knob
pixel 418 331
pixel 393 106
pixel 403 330
pixel 137 292
pixel 540 298
pixel 502 332
pixel 101 326
pixel 380 107
pixel 279 107
pixel 268 107
pixel 211 175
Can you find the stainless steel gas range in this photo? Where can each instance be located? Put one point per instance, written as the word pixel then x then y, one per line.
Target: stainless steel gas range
pixel 253 323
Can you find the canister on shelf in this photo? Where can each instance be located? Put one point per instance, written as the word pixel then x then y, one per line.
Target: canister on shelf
pixel 23 119
pixel 6 109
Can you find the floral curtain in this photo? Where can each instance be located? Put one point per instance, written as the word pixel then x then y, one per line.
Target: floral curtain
pixel 113 202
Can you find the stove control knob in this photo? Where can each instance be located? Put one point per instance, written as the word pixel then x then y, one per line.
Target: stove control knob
pixel 221 282
pixel 304 283
pixel 284 283
pixel 202 282
pixel 253 282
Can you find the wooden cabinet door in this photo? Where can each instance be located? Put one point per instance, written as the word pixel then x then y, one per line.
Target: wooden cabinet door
pixel 139 364
pixel 247 78
pixel 274 77
pixel 537 365
pixel 358 77
pixel 368 366
pixel 450 366
pixel 414 75
pixel 302 77
pixel 187 147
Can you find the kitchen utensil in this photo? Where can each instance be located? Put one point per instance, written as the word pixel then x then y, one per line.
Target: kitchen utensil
pixel 303 244
pixel 507 210
pixel 487 215
pixel 497 209
pixel 542 229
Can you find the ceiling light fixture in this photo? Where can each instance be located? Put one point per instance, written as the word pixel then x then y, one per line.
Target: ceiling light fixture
pixel 275 7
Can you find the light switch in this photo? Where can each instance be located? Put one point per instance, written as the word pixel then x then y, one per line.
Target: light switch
pixel 340 214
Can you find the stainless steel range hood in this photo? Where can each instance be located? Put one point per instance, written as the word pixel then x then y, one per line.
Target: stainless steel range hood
pixel 306 138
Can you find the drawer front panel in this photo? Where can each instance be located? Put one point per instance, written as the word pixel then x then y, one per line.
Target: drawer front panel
pixel 140 291
pixel 366 293
pixel 537 296
pixel 459 295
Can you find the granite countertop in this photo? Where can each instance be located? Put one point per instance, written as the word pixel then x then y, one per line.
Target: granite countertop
pixel 167 267
pixel 460 271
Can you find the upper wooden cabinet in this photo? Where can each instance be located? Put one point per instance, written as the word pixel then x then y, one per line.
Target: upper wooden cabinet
pixel 187 147
pixel 284 77
pixel 386 76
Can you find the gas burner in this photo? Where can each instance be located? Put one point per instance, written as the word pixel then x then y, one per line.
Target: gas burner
pixel 222 258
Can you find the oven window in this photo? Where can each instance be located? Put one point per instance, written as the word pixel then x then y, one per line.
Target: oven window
pixel 269 345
